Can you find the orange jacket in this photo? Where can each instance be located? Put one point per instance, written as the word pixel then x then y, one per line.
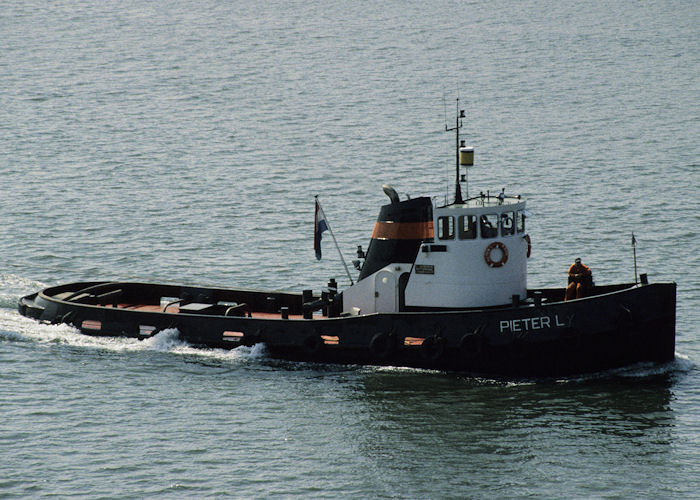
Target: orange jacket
pixel 580 273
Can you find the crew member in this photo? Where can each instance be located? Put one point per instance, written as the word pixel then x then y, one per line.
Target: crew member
pixel 580 280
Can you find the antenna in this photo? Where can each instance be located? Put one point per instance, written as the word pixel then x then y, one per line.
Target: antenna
pixel 458 125
pixel 444 104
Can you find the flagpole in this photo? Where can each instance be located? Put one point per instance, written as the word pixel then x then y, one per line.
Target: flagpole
pixel 347 271
pixel 634 252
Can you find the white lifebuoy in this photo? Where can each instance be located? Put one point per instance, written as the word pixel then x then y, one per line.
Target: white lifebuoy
pixel 504 254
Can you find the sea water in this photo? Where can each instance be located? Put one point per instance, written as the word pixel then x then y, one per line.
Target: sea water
pixel 183 142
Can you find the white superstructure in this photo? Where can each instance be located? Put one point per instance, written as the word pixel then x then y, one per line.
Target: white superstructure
pixel 478 257
pixel 475 257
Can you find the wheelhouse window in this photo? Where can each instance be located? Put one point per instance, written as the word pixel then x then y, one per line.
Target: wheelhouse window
pixel 507 223
pixel 520 221
pixel 466 229
pixel 446 227
pixel 489 225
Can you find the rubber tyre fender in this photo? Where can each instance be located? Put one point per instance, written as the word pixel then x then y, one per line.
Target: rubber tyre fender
pixel 433 348
pixel 312 344
pixel 256 337
pixel 471 345
pixel 517 348
pixel 382 345
pixel 67 319
pixel 572 339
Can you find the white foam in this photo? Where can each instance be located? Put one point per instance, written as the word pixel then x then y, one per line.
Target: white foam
pixel 168 340
pixel 683 363
pixel 400 369
pixel 13 286
pixel 14 281
pixel 15 327
pixel 165 340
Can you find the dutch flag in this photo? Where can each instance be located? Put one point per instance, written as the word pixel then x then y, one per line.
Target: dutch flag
pixel 320 225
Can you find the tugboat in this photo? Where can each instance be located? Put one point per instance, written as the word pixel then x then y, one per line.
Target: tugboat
pixel 441 286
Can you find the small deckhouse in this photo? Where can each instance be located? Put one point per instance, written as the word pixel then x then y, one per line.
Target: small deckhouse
pixel 463 255
pixel 477 258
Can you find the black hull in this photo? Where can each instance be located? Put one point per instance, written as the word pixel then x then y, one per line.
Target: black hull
pixel 626 325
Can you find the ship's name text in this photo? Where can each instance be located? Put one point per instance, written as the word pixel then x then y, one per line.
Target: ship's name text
pixel 527 324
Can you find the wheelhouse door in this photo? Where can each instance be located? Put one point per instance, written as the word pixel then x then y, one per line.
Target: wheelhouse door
pixel 385 292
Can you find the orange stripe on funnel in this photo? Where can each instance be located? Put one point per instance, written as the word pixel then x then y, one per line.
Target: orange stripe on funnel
pixel 403 230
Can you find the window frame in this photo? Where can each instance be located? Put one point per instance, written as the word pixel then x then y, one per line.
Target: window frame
pixel 506 216
pixel 520 221
pixel 483 218
pixel 446 222
pixel 473 231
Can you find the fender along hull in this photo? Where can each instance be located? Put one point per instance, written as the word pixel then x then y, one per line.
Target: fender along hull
pixel 626 325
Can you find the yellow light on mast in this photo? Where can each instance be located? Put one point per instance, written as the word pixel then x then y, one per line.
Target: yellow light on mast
pixel 466 156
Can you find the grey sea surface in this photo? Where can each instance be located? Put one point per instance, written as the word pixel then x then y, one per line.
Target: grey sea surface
pixel 183 142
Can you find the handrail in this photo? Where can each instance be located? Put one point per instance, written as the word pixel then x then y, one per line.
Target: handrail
pixel 172 304
pixel 91 288
pixel 242 305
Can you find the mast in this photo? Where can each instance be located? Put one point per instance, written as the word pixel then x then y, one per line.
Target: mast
pixel 458 125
